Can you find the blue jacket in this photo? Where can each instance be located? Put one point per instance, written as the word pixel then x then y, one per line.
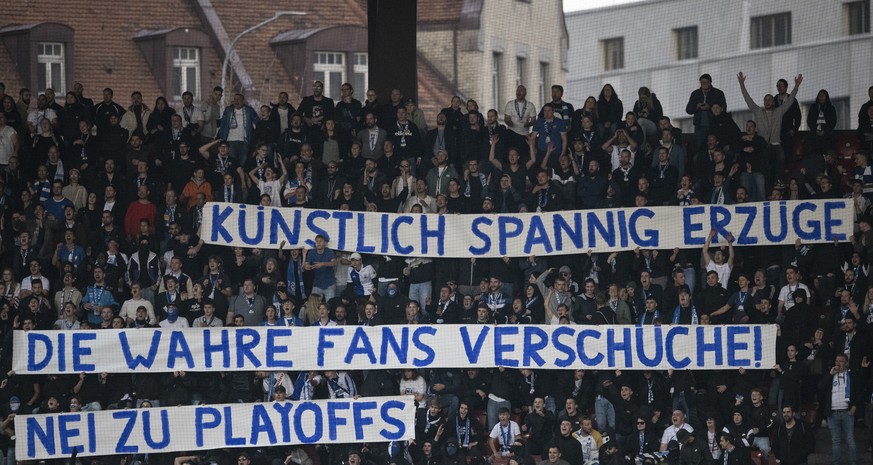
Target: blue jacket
pixel 226 117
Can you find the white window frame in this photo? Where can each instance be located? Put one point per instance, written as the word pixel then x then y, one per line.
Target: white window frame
pixel 520 65
pixel 186 64
pixel 543 82
pixel 46 60
pixel 613 53
pixel 362 68
pixel 321 63
pixel 496 58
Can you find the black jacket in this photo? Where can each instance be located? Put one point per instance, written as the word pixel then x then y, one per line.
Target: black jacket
pixel 694 454
pixel 793 449
pixel 739 456
pixel 713 96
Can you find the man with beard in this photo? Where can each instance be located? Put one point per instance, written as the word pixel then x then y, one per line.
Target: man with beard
pixel 372 137
pixel 280 115
pixel 442 138
pixel 136 116
pixel 438 177
pixel 43 111
pixel 591 187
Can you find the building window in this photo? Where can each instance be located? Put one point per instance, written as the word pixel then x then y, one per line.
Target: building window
pixel 186 72
pixel 520 64
pixel 496 59
pixel 329 68
pixel 613 53
pixel 361 71
pixel 545 95
pixel 857 17
pixel 51 69
pixel 686 43
pixel 771 30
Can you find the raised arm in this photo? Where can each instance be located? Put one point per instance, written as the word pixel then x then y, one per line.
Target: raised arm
pixel 741 78
pixel 204 150
pixel 284 173
pixel 492 153
pixel 252 175
pixel 705 253
pixel 532 150
pixel 730 239
pixel 607 146
pixel 793 95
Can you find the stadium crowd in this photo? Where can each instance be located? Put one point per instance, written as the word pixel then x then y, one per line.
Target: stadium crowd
pixel 102 203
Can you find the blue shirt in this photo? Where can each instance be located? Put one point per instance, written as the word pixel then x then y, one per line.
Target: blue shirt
pixel 100 297
pixel 550 131
pixel 323 278
pixel 75 256
pixel 56 207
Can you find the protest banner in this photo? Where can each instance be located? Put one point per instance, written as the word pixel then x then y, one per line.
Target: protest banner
pixel 525 234
pixel 415 346
pixel 207 427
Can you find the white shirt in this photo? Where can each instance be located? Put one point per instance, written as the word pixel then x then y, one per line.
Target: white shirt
pixel 36 116
pixel 839 393
pixel 723 270
pixel 64 325
pixel 273 189
pixel 786 294
pixel 209 322
pixel 26 283
pixel 513 430
pixel 179 323
pixel 238 133
pixel 519 113
pixel 6 146
pixel 670 432
pixel 615 156
pixel 367 274
pixel 283 118
pixel 194 114
pixel 128 309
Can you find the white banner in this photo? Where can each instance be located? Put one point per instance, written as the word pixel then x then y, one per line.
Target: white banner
pixel 206 427
pixel 525 234
pixel 416 346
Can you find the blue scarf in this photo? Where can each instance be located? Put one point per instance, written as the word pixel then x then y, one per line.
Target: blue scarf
pixel 678 312
pixel 295 278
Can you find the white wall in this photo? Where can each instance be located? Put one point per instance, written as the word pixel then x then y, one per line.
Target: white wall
pixel 820 49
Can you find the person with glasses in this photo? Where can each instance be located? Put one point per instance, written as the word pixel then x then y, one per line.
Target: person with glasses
pixel 244 459
pixel 643 440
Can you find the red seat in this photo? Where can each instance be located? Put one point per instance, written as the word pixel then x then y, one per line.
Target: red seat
pixel 482 416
